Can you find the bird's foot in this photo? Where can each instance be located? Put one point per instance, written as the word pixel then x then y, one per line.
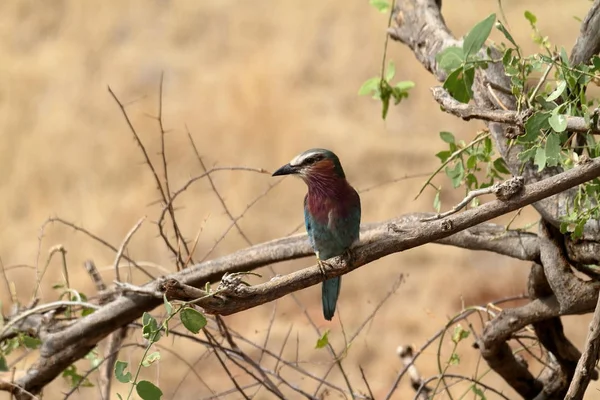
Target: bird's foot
pixel 348 256
pixel 322 264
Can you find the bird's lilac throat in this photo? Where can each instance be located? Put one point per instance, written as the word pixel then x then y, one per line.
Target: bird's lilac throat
pixel 326 186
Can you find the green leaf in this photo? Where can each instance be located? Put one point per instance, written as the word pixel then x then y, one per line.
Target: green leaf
pixel 560 88
pixel 87 311
pixel 370 86
pixel 500 26
pixel 454 359
pixel 74 378
pixel 148 391
pixel 478 35
pixel 471 181
pixel 405 85
pixel 459 334
pixel 437 204
pixel 478 392
pixel 120 373
pixel 193 320
pixel 472 162
pixel 540 158
pixel 527 154
pixel 150 329
pixel 323 340
pixel 3 364
pixel 168 305
pixel 534 126
pixel 531 18
pixel 552 149
pixel 390 71
pixel 500 166
pixel 450 58
pixel 385 102
pixel 119 396
pixel 456 174
pixel 459 84
pixel 578 232
pixel 447 137
pixel 444 155
pixel 381 5
pixel 151 358
pixel 31 342
pixel 558 122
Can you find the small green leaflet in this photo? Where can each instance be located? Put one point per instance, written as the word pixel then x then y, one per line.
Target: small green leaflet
pixel 478 35
pixel 437 204
pixel 450 58
pixel 148 391
pixel 557 121
pixel 370 86
pixel 447 137
pixel 500 26
pixel 540 158
pixel 120 374
pixel 552 149
pixel 192 319
pixel 381 5
pixel 150 330
pixel 3 365
pixel 323 340
pixel 150 359
pixel 478 392
pixel 168 305
pixel 533 127
pixel 459 84
pixel 454 359
pixel 531 18
pixel 390 71
pixel 560 88
pixel 459 334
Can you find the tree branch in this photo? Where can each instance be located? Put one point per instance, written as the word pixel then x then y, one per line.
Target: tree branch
pixel 588 42
pixel 518 119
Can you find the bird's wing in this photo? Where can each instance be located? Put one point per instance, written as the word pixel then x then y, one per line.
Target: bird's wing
pixel 308 223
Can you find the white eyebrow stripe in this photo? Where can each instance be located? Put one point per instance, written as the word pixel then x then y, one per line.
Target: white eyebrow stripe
pixel 299 159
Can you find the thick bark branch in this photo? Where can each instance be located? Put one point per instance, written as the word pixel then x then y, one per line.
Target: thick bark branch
pixel 555 291
pixel 518 119
pixel 588 42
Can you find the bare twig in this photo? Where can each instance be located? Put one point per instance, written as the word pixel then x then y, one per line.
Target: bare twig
pixel 124 245
pixel 588 360
pixel 101 241
pixel 503 191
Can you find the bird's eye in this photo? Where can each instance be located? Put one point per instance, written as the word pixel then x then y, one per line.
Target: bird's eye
pixel 312 159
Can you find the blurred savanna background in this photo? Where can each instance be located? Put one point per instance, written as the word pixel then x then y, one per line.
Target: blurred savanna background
pixel 255 82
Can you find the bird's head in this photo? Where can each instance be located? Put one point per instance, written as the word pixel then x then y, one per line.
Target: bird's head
pixel 314 164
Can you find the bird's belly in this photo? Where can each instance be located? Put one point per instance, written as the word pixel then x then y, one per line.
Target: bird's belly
pixel 327 243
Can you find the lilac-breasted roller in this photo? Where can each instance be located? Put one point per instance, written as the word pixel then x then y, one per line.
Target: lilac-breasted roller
pixel 331 212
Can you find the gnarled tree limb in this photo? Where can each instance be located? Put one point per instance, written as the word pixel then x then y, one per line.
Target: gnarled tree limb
pixel 419 24
pixel 518 119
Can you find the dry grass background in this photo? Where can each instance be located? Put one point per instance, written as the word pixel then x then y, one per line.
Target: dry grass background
pixel 256 82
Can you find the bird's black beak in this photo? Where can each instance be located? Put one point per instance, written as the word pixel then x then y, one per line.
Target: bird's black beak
pixel 287 169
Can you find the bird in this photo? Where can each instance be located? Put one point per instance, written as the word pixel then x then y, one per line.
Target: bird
pixel 331 213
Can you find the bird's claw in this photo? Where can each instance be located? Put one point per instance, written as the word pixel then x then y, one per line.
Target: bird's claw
pixel 322 264
pixel 348 256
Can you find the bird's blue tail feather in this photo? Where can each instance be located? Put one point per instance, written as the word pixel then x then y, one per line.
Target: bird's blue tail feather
pixel 330 293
